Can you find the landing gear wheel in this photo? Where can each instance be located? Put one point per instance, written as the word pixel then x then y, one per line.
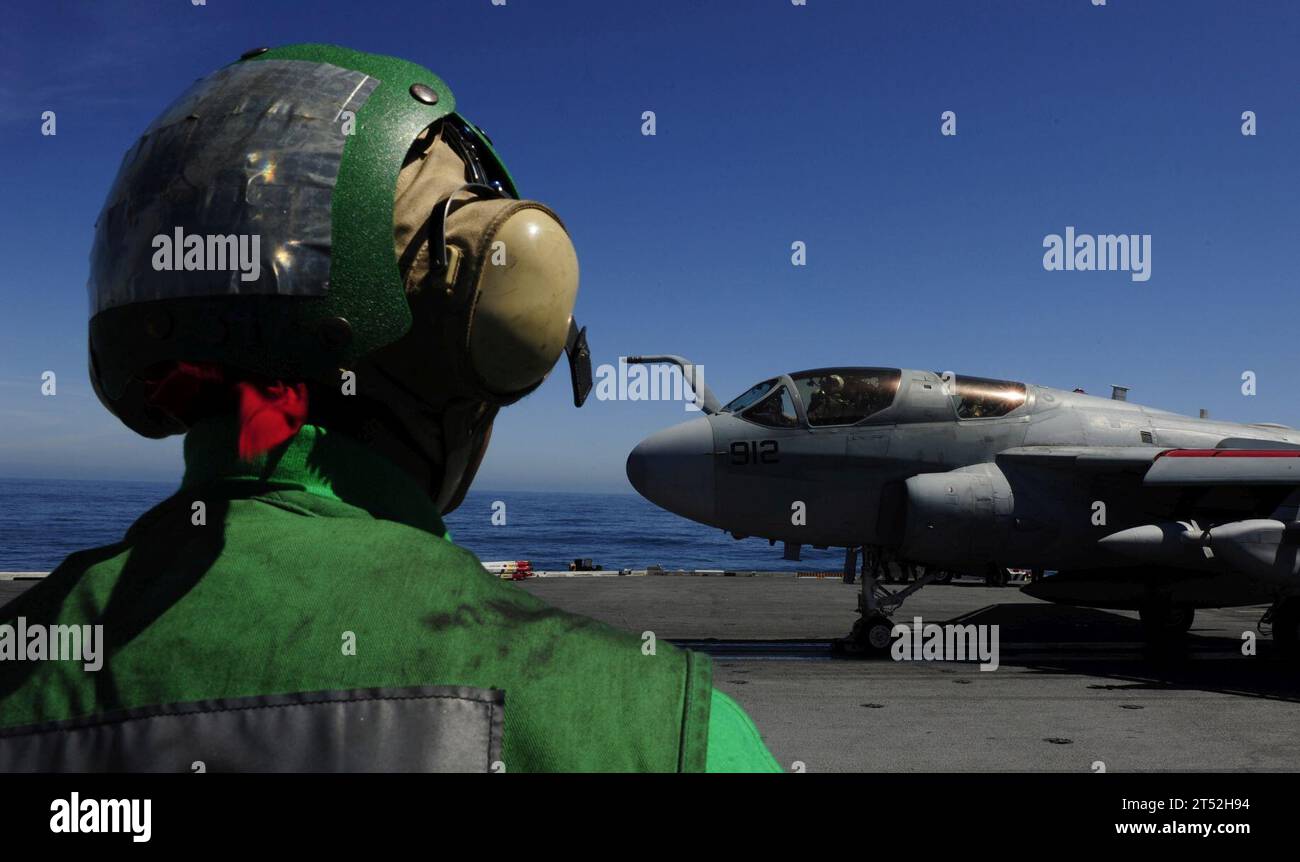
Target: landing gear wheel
pixel 878 633
pixel 996 577
pixel 872 636
pixel 944 577
pixel 1162 624
pixel 1286 628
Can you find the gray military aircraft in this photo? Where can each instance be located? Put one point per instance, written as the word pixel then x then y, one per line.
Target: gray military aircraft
pixel 1133 508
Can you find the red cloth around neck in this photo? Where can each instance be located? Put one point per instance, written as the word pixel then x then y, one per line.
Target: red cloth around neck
pixel 270 411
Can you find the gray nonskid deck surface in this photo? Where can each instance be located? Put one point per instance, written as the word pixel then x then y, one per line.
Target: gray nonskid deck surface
pixel 10 589
pixel 1075 686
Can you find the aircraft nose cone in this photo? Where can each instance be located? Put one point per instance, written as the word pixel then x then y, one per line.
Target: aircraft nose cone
pixel 673 469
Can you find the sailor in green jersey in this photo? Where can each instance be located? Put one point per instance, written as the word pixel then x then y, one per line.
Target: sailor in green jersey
pixel 322 274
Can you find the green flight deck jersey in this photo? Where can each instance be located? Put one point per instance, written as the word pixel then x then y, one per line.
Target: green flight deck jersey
pixel 320 567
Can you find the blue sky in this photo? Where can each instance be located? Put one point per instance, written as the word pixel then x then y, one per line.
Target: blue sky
pixel 775 123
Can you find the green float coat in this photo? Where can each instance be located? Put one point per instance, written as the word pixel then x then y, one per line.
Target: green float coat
pixel 320 542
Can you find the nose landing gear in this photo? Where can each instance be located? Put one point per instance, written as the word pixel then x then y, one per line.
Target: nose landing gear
pixel 872 633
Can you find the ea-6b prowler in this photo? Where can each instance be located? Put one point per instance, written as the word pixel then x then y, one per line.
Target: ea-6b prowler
pixel 1133 508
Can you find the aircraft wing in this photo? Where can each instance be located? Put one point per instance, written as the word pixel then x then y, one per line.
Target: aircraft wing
pixel 1199 467
pixel 1169 467
pixel 1129 459
pixel 1246 500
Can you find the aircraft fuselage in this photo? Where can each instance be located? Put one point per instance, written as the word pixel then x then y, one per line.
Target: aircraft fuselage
pixel 888 479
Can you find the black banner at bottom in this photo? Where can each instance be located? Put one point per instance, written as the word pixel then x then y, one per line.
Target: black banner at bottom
pixel 328 813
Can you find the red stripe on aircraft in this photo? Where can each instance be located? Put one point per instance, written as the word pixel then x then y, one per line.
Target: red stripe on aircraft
pixel 1230 453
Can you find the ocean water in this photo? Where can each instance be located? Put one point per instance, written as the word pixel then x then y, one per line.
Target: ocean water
pixel 42 521
pixel 615 530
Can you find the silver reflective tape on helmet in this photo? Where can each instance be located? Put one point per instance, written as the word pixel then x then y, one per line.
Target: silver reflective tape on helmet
pixel 229 191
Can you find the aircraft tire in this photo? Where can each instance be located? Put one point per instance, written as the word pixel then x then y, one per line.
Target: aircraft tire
pixel 1162 624
pixel 1286 629
pixel 872 636
pixel 878 634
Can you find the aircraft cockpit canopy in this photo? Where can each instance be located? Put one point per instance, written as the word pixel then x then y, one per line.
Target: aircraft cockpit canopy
pixel 843 396
pixel 830 396
pixel 776 410
pixel 769 403
pixel 749 396
pixel 983 398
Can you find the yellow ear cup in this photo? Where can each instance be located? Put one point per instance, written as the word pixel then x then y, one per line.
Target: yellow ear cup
pixel 528 283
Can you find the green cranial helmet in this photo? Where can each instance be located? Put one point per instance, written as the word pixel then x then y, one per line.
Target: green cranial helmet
pixel 312 212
